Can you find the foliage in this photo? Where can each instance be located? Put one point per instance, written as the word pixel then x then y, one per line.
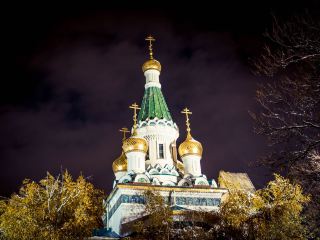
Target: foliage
pixel 270 213
pixel 279 211
pixel 289 102
pixel 54 208
pixel 196 225
pixel 237 212
pixel 159 220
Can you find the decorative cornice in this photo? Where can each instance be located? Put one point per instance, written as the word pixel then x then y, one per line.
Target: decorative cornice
pixel 152 84
pixel 157 121
pixel 171 188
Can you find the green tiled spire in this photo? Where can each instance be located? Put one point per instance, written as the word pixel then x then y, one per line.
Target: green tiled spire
pixel 153 105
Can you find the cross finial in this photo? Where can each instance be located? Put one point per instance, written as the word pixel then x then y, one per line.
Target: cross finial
pixel 187 112
pixel 135 107
pixel 124 131
pixel 150 39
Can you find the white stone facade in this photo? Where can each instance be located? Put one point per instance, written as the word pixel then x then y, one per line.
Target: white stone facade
pixel 156 135
pixel 125 204
pixel 152 78
pixel 136 162
pixel 192 165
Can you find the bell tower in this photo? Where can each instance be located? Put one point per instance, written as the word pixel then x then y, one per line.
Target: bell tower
pixel 155 123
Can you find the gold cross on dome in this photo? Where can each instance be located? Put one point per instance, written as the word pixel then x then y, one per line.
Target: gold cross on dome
pixel 150 39
pixel 187 112
pixel 135 107
pixel 124 131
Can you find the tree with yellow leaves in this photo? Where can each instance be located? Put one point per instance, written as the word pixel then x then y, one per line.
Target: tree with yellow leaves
pixel 55 208
pixel 273 212
pixel 158 223
pixel 236 213
pixel 279 211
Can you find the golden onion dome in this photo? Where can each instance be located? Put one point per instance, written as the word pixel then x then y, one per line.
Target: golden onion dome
pixel 135 144
pixel 151 64
pixel 190 146
pixel 120 164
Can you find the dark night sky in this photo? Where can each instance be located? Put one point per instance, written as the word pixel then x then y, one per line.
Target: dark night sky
pixel 72 71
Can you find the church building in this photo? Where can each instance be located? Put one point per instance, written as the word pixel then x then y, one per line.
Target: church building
pixel 151 160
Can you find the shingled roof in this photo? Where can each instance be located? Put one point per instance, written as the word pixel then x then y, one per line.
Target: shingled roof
pixel 235 181
pixel 154 105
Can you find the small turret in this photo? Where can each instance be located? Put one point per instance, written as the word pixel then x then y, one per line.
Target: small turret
pixel 190 150
pixel 135 148
pixel 119 166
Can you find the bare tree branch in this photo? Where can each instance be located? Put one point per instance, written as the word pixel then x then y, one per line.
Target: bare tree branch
pixel 289 103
